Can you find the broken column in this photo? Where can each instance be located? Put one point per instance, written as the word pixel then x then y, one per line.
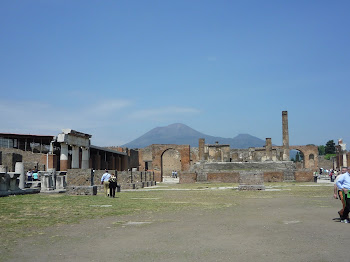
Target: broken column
pixel 343 151
pixel 201 148
pixel 268 149
pixel 285 135
pixel 19 168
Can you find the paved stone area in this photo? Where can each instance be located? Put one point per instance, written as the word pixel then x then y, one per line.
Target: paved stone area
pixel 258 229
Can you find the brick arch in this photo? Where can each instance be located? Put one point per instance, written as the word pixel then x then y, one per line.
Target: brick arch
pixel 162 160
pixel 308 152
pixel 159 150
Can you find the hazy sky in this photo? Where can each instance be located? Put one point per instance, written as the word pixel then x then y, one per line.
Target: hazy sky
pixel 117 69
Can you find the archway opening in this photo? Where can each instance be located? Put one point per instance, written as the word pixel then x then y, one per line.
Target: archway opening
pixel 297 157
pixel 171 161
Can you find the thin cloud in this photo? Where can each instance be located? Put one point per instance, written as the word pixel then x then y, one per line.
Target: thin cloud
pixel 160 112
pixel 109 106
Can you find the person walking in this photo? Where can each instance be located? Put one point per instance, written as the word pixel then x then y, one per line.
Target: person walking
pixel 344 184
pixel 338 192
pixel 105 183
pixel 112 185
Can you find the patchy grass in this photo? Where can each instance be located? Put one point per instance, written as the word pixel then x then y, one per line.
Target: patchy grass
pixel 28 215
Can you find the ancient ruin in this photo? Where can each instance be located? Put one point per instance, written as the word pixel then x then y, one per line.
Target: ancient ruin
pixel 69 160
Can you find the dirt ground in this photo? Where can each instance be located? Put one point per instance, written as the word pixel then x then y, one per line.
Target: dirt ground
pixel 258 229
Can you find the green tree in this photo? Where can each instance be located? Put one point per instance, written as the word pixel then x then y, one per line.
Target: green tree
pixel 330 147
pixel 321 150
pixel 297 157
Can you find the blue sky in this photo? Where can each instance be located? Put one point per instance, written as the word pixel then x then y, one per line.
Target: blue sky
pixel 117 69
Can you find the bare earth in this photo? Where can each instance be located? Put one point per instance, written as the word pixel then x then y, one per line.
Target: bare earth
pixel 268 229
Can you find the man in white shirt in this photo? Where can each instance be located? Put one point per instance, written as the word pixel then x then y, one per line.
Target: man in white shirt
pixel 105 182
pixel 344 184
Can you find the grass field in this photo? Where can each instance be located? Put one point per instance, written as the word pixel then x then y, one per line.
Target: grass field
pixel 27 215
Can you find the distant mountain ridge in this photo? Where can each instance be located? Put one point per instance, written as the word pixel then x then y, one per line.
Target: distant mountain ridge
pixel 181 134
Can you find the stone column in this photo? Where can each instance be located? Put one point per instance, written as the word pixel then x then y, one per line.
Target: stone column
pixel 85 158
pixel 75 157
pixel 285 135
pixel 268 149
pixel 64 157
pixel 19 168
pixel 201 144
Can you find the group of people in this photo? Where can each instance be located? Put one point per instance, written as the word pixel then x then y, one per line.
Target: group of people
pixel 109 182
pixel 174 174
pixel 342 191
pixel 32 175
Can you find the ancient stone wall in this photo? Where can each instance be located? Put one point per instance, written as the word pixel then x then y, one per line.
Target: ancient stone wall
pixel 304 176
pixel 324 163
pixel 134 159
pixel 224 177
pixel 187 178
pixel 82 177
pixel 30 160
pixel 273 176
pixel 195 154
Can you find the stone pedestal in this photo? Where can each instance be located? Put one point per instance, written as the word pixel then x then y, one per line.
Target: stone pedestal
pixel 14 181
pixel 60 182
pixel 46 182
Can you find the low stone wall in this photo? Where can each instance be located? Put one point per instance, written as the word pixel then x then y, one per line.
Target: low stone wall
pixel 125 179
pixel 304 176
pixel 271 176
pixel 225 177
pixel 82 190
pixel 187 178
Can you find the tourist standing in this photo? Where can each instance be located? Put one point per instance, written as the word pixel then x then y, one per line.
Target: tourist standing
pixel 29 175
pixel 104 182
pixel 344 185
pixel 338 192
pixel 112 185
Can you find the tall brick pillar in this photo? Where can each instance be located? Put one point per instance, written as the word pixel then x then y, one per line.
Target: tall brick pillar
pixel 268 149
pixel 64 157
pixel 285 135
pixel 201 148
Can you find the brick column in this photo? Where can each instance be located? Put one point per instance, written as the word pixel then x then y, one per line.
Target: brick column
pixel 201 144
pixel 285 135
pixel 268 149
pixel 64 157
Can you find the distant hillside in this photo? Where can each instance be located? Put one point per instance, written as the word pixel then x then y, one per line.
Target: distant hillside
pixel 181 134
